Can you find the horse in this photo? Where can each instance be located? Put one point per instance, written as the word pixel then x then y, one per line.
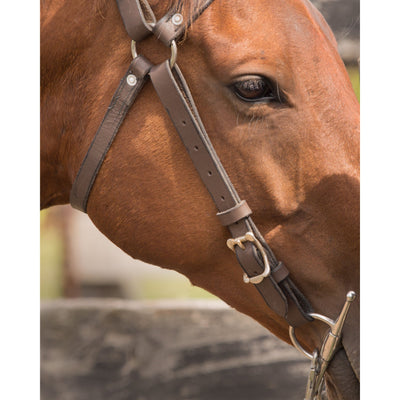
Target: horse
pixel 280 111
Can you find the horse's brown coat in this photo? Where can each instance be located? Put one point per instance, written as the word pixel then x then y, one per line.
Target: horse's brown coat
pixel 297 166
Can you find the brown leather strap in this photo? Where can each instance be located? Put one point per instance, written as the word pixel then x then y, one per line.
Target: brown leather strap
pixel 170 86
pixel 140 21
pixel 177 100
pixel 123 98
pixel 280 272
pixel 167 29
pixel 234 214
pixel 138 18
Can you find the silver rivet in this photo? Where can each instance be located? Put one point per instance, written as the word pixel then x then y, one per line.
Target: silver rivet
pixel 131 80
pixel 177 19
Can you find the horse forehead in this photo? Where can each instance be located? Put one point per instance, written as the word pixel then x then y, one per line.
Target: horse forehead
pixel 272 22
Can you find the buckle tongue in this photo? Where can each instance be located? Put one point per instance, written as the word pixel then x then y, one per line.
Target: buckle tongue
pixel 250 237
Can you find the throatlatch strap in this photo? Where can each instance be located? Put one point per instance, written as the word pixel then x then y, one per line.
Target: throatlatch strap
pixel 123 98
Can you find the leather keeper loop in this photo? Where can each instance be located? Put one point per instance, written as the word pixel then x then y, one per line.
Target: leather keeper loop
pixel 234 214
pixel 141 66
pixel 280 272
pixel 166 31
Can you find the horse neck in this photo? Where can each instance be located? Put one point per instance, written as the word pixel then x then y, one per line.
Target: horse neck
pixel 79 42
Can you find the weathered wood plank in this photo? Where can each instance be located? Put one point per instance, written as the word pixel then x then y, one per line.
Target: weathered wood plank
pixel 120 350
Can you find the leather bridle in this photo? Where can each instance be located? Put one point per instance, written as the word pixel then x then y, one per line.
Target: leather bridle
pixel 260 266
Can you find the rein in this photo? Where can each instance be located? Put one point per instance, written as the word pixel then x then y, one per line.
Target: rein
pixel 260 266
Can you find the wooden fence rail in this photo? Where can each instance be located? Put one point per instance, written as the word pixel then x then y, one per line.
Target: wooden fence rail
pixel 120 350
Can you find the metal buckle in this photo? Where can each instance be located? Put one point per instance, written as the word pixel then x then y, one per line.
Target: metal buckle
pixel 249 237
pixel 172 59
pixel 329 346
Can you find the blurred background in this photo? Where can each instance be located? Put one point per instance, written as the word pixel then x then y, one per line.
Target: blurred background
pixel 78 261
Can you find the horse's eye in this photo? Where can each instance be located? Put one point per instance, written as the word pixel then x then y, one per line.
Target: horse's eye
pixel 256 88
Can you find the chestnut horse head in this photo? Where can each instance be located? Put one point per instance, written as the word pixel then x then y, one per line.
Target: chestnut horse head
pixel 281 113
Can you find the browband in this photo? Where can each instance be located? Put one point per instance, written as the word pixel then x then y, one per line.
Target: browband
pixel 260 266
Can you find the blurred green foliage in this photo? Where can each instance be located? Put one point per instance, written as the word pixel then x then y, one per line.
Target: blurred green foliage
pixel 51 259
pixel 354 74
